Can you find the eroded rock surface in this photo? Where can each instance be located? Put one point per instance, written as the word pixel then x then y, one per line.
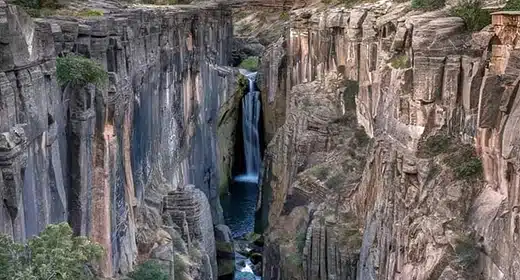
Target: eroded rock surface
pixel 421 82
pixel 90 155
pixel 189 211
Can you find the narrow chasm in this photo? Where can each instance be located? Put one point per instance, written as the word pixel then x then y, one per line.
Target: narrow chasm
pixel 240 202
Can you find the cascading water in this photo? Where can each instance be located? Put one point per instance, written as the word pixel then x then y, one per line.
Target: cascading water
pixel 242 199
pixel 250 123
pixel 240 204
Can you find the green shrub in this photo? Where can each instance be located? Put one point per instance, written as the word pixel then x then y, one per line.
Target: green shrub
pixel 466 252
pixel 361 136
pixel 78 71
pixel 54 254
pixel 163 2
pixel 465 163
pixel 251 63
pixel 462 158
pixel 512 5
pixel 39 4
pixel 242 85
pixel 470 168
pixel 43 12
pixel 400 62
pixel 350 238
pixel 435 145
pixel 150 270
pixel 349 95
pixel 300 240
pixel 472 13
pixel 295 259
pixel 38 8
pixel 348 3
pixel 335 181
pixel 320 172
pixel 428 5
pixel 181 266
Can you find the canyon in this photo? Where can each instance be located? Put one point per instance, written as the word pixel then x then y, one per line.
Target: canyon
pixel 383 139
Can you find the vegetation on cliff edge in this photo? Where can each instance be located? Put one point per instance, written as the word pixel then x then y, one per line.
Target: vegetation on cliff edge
pixel 251 63
pixel 77 70
pixel 461 158
pixel 165 2
pixel 43 8
pixel 54 254
pixel 150 270
pixel 400 62
pixel 512 5
pixel 321 172
pixel 297 257
pixel 348 3
pixel 33 7
pixel 154 270
pixel 428 5
pixel 472 13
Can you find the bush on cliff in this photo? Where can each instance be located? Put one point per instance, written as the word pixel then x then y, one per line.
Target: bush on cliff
pixel 320 172
pixel 428 5
pixel 466 252
pixel 54 254
pixel 512 5
pixel 348 3
pixel 39 4
pixel 435 145
pixel 182 265
pixel 465 163
pixel 38 8
pixel 472 13
pixel 150 270
pixel 77 70
pixel 250 63
pixel 400 62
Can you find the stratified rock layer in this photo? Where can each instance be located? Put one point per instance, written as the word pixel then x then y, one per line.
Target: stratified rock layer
pixel 89 155
pixel 417 76
pixel 189 207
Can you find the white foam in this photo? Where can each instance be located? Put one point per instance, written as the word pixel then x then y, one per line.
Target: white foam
pixel 248 178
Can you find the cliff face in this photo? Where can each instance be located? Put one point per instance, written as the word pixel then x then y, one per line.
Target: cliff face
pixel 437 102
pixel 88 155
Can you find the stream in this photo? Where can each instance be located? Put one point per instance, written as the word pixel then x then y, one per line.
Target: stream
pixel 240 203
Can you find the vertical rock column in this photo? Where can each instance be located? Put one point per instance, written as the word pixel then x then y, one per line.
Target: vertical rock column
pixel 188 205
pixel 11 165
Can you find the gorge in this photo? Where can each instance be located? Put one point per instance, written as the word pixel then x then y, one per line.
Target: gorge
pixel 373 141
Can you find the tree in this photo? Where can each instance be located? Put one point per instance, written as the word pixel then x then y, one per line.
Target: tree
pixel 53 255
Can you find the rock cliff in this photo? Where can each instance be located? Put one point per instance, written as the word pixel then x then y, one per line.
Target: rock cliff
pixel 437 194
pixel 90 155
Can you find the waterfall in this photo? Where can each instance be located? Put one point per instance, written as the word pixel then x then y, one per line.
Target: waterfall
pixel 250 132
